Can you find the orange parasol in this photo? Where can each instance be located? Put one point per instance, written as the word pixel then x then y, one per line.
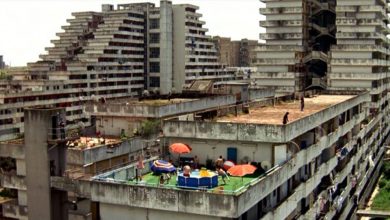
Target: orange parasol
pixel 242 170
pixel 180 148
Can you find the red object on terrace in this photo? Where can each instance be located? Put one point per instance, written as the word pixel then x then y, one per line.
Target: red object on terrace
pixel 180 148
pixel 242 170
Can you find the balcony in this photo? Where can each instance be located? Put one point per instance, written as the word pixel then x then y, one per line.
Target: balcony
pixel 12 181
pixel 13 210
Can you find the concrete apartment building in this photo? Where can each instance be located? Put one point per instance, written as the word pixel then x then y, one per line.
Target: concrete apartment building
pixel 336 142
pixel 2 63
pixel 334 44
pixel 235 53
pixel 86 156
pixel 111 54
pixel 299 35
pixel 322 164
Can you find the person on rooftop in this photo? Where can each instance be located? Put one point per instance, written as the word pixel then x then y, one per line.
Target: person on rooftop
pixel 196 162
pixel 285 118
pixel 223 174
pixel 219 162
pixel 302 103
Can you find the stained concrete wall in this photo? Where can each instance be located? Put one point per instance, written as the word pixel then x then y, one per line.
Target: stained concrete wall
pixel 20 167
pixel 22 198
pixel 113 126
pixel 260 93
pixel 92 155
pixel 179 49
pixel 225 131
pixel 12 150
pixel 166 46
pixel 170 200
pixel 148 111
pixel 40 199
pixel 118 212
pixel 204 150
pixel 13 182
pixel 191 202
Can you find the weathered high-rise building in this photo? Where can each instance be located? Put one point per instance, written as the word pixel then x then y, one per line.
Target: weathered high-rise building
pixel 2 64
pixel 118 52
pixel 340 46
pixel 360 59
pixel 315 159
pixel 299 35
pixel 240 53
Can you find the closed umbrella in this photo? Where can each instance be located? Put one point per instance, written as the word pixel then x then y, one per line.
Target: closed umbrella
pixel 161 166
pixel 228 164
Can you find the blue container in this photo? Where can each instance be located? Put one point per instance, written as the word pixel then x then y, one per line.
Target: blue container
pixel 195 181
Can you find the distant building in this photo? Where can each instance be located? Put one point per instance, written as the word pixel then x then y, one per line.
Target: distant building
pixel 235 53
pixel 118 52
pixel 2 64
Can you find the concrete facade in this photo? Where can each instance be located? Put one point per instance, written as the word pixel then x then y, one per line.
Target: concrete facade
pixel 360 60
pixel 118 52
pixel 289 188
pixel 194 52
pixel 2 63
pixel 298 37
pixel 235 53
pixel 44 160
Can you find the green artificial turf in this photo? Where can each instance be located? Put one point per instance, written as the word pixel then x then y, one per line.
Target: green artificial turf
pixel 232 184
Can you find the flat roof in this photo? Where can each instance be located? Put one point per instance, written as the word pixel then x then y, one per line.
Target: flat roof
pixel 274 114
pixel 150 102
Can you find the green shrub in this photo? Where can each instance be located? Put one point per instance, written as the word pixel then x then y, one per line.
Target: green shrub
pixel 386 170
pixel 382 183
pixel 150 127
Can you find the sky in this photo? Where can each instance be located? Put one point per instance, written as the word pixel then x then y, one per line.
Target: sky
pixel 27 26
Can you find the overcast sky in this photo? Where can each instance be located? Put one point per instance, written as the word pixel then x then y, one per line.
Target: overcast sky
pixel 27 26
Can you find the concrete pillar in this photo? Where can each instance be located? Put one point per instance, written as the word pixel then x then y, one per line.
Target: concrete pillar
pixel 41 201
pixel 166 46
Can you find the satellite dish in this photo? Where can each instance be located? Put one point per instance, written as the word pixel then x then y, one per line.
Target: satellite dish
pixel 266 165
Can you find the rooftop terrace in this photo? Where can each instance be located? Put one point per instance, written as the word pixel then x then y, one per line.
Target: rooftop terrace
pixel 274 114
pixel 157 108
pixel 233 184
pixel 264 123
pixel 127 175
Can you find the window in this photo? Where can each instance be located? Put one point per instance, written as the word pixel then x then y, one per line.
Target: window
pixel 154 53
pixel 154 38
pixel 154 67
pixel 154 81
pixel 154 24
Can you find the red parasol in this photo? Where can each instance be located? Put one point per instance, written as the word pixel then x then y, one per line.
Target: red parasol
pixel 242 170
pixel 180 148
